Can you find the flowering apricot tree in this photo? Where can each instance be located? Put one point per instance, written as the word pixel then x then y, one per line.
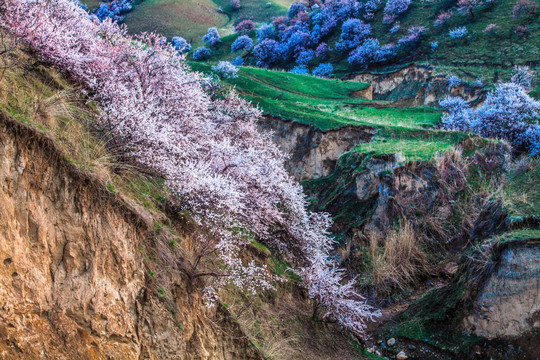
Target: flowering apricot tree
pixel 226 174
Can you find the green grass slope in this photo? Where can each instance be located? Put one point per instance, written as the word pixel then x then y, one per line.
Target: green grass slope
pixel 187 18
pixel 191 18
pixel 489 57
pixel 479 54
pixel 258 10
pixel 521 194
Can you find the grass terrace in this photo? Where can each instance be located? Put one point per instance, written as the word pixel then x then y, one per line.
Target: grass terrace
pixel 330 104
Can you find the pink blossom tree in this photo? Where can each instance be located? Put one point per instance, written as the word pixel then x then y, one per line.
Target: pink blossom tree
pixel 227 175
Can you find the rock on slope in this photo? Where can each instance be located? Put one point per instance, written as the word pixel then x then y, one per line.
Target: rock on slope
pixel 508 303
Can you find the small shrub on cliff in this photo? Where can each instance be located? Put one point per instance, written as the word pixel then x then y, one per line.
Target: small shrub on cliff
pixel 458 32
pixel 396 7
pixel 181 44
pixel 238 61
pixel 524 7
pixel 353 32
pixel 235 4
pixel 508 113
pixel 459 116
pixel 523 76
pixel 413 35
pixel 212 37
pixel 266 53
pixel 296 8
pixel 521 30
pixel 468 6
pixel 300 69
pixel 491 29
pixel 244 26
pixel 364 54
pixel 453 81
pixel 443 18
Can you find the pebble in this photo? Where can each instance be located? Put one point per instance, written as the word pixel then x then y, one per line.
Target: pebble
pixel 401 356
pixel 391 341
pixel 411 347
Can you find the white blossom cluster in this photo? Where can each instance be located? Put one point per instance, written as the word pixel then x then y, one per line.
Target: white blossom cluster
pixel 507 113
pixel 228 176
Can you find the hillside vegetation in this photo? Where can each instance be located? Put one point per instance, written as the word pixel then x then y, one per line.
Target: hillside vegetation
pixel 190 19
pixel 276 325
pixel 357 227
pixel 479 54
pixel 330 104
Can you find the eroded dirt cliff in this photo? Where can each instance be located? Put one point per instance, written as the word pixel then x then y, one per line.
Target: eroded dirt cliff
pixel 415 85
pixel 313 153
pixel 508 302
pixel 73 279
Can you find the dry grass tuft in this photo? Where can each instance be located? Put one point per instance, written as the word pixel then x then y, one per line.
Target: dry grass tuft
pixel 269 338
pixel 453 168
pixel 400 260
pixel 39 96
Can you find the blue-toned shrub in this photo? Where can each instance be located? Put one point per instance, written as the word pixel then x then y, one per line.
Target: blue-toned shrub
pixel 212 37
pixel 300 69
pixel 201 53
pixel 181 44
pixel 324 70
pixel 458 32
pixel 242 43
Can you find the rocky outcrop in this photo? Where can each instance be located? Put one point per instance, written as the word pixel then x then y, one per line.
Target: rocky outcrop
pixel 415 85
pixel 73 279
pixel 313 152
pixel 507 305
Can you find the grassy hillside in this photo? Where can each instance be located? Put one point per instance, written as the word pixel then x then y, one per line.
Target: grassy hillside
pixel 521 194
pixel 478 55
pixel 257 10
pixel 187 18
pixel 330 104
pixel 191 18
